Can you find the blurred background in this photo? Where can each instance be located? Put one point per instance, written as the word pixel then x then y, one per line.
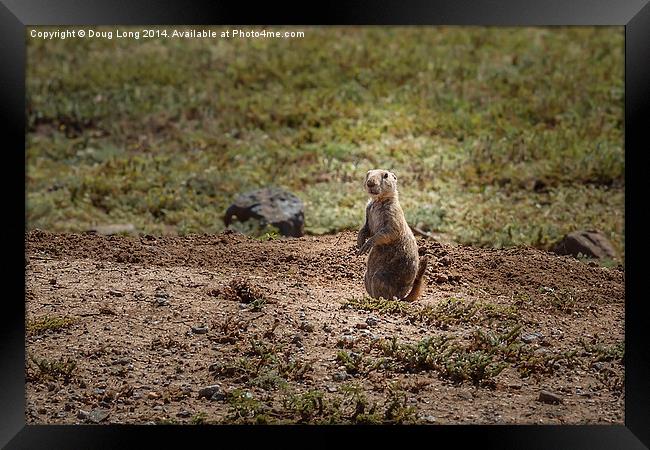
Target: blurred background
pixel 498 136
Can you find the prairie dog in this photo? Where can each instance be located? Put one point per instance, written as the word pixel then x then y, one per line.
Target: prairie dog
pixel 394 268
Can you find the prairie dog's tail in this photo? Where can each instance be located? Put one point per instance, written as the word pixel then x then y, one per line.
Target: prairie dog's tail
pixel 418 284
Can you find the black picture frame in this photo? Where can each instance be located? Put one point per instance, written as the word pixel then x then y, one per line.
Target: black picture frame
pixel 634 15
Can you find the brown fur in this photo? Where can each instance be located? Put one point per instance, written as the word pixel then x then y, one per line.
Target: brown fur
pixel 394 269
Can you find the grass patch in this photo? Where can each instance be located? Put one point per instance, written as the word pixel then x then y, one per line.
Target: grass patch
pixel 48 323
pixel 447 312
pixel 378 305
pixel 245 408
pixel 446 356
pixel 42 370
pixel 265 365
pixel 602 352
pixel 499 136
pixel 199 418
pixel 562 300
pixel 477 360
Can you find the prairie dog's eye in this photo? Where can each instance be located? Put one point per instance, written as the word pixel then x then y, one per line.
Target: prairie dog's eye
pixel 386 175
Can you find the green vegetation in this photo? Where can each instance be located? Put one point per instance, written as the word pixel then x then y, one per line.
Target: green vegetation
pixel 198 418
pixel 48 323
pixel 265 365
pixel 451 311
pixel 499 136
pixel 42 369
pixel 478 361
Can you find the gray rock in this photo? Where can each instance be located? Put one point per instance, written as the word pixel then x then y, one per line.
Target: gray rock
pixel 340 376
pixel 98 415
pixel 184 414
pixel 529 338
pixel 372 321
pixel 345 341
pixel 598 365
pixel 82 415
pixel 592 244
pixel 306 326
pixel 297 340
pixel 201 329
pixel 116 293
pixel 549 397
pixel 213 392
pixel 270 205
pixel 429 419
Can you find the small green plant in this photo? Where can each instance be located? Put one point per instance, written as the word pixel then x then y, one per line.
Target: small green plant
pixel 257 304
pixel 396 409
pixel 244 407
pixel 199 418
pixel 307 406
pixel 49 370
pixel 48 323
pixel 356 406
pixel 352 361
pixel 602 352
pixel 379 305
pixel 561 299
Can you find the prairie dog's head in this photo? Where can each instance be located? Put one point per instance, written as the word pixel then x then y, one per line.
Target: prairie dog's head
pixel 381 183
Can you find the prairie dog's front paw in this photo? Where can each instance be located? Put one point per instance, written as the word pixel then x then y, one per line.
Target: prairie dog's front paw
pixel 364 248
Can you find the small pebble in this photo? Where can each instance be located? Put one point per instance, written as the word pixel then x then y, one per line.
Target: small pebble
pixel 529 338
pixel 598 365
pixel 440 278
pixel 549 397
pixel 340 376
pixel 372 321
pixel 445 261
pixel 201 329
pixel 98 415
pixel 297 340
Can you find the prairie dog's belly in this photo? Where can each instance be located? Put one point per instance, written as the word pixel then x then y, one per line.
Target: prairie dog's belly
pixel 400 256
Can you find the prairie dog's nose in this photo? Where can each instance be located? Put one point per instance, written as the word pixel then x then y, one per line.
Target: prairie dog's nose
pixel 371 183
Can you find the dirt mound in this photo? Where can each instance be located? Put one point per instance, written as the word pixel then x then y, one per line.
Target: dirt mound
pixel 130 329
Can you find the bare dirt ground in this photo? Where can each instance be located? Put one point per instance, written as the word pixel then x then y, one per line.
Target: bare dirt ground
pixel 229 329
